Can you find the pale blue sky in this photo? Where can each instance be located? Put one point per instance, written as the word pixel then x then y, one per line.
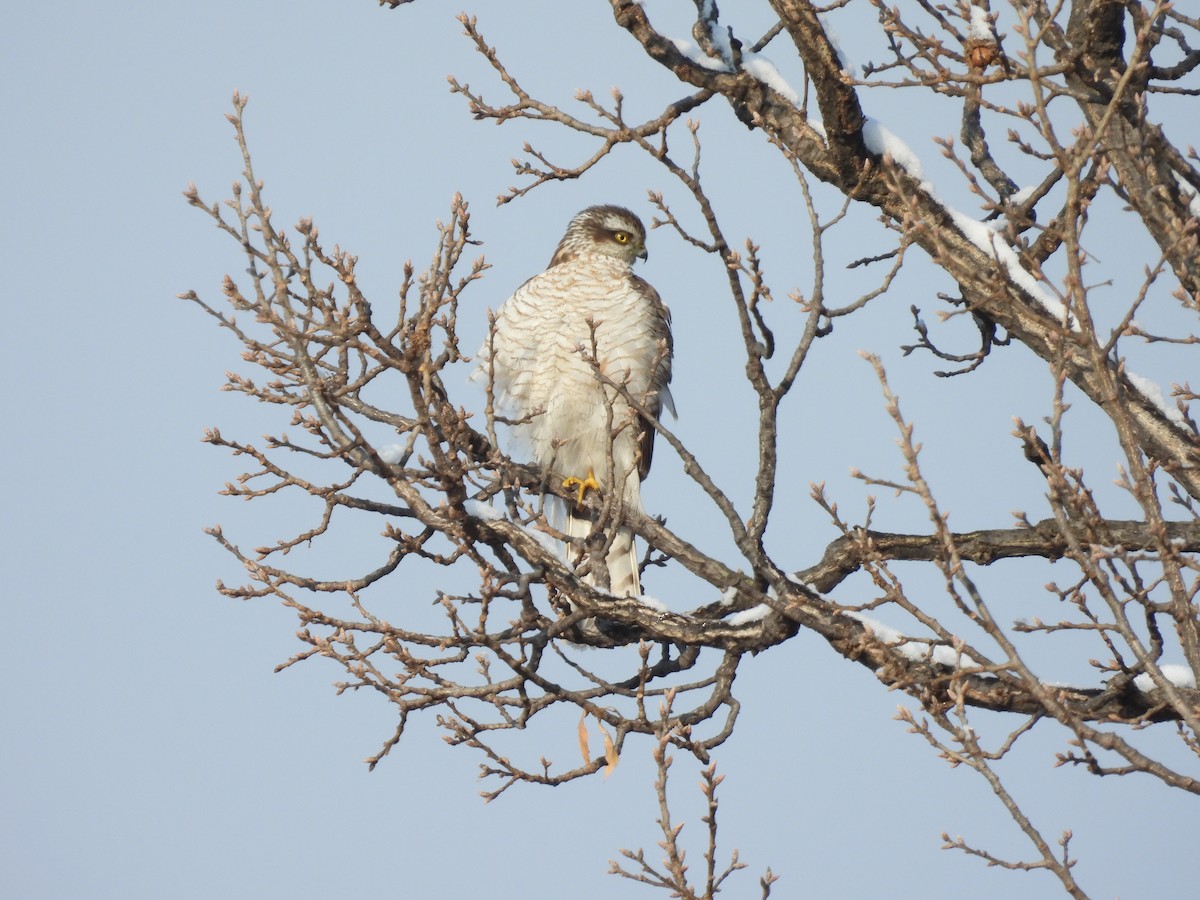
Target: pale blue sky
pixel 149 751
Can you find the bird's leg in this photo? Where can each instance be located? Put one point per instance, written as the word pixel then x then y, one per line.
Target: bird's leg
pixel 584 485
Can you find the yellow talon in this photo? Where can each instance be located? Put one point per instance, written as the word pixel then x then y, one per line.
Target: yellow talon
pixel 584 484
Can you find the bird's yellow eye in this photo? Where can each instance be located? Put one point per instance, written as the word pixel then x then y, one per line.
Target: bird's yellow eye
pixel 621 237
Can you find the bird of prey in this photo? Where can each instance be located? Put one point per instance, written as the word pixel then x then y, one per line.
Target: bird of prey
pixel 557 348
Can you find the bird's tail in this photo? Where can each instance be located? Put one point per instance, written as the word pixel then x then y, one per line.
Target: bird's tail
pixel 623 565
pixel 621 559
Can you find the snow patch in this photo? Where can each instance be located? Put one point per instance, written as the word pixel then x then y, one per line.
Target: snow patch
pixel 986 239
pixel 698 56
pixel 1022 195
pixel 489 513
pixel 755 64
pixel 848 65
pixel 746 616
pixel 943 655
pixel 764 70
pixel 656 605
pixel 880 140
pixel 918 651
pixel 1190 193
pixel 482 510
pixel 885 633
pixel 547 543
pixel 795 579
pixel 720 33
pixel 392 454
pixel 1154 393
pixel 979 27
pixel 1180 676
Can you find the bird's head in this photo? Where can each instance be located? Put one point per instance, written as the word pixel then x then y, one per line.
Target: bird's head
pixel 605 231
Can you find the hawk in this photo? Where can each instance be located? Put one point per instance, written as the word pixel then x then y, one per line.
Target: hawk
pixel 585 319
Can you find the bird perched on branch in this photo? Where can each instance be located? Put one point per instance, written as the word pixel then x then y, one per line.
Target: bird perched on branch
pixel 567 353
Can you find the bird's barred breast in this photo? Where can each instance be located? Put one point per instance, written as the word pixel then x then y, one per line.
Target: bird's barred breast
pixel 545 339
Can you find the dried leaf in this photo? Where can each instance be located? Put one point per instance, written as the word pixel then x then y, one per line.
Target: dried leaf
pixel 584 750
pixel 611 756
